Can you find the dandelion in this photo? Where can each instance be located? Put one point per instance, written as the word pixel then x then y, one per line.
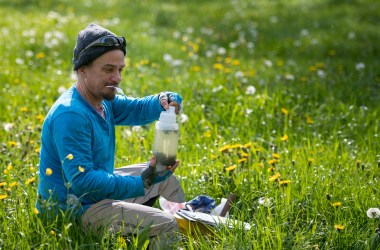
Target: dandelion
pixel 48 171
pixel 3 184
pixel 81 169
pixel 225 148
pixel 24 109
pixel 9 167
pixel 266 202
pixel 284 182
pixel 275 156
pixel 310 161
pixel 274 177
pixel 13 184
pixel 8 126
pixel 247 145
pixel 270 169
pixel 40 55
pixel 218 66
pixel 52 232
pixel 360 66
pixel 70 156
pixel 337 204
pixel 40 117
pixel 339 227
pixel 12 143
pixel 35 211
pixel 309 120
pixel 3 196
pixel 121 241
pixel 31 180
pixel 284 111
pixel 251 90
pixel 244 155
pixel 284 137
pixel 230 168
pixel 242 160
pixel 373 213
pixel 207 134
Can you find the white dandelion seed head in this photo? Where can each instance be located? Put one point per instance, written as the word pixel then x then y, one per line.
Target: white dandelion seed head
pixel 360 66
pixel 268 63
pixel 221 51
pixel 183 118
pixel 266 202
pixel 251 90
pixel 168 58
pixel 72 199
pixel 8 126
pixel 217 89
pixel 373 212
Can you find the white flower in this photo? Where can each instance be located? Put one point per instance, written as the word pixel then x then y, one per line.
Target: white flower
pixel 373 213
pixel 268 63
pixel 20 61
pixel 168 58
pixel 221 51
pixel 217 89
pixel 61 90
pixel 266 202
pixel 239 74
pixel 183 118
pixel 360 66
pixel 251 90
pixel 72 199
pixel 289 77
pixel 137 129
pixel 8 126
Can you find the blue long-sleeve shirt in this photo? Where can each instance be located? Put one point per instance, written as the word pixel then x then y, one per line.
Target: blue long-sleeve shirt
pixel 78 147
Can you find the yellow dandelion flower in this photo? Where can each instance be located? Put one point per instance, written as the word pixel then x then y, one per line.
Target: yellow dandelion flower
pixel 40 117
pixel 48 171
pixel 284 137
pixel 31 180
pixel 275 156
pixel 32 169
pixel 244 155
pixel 284 111
pixel 37 150
pixel 310 161
pixel 81 169
pixel 230 168
pixel 309 120
pixel 252 72
pixel 320 65
pixel 236 146
pixel 247 145
pixel 3 196
pixel 272 162
pixel 195 69
pixel 274 177
pixel 228 60
pixel 207 134
pixel 270 169
pixel 40 55
pixel 214 156
pixel 70 156
pixel 337 204
pixel 13 184
pixel 52 232
pixel 280 63
pixel 35 211
pixel 218 66
pixel 260 165
pixel 242 160
pixel 339 227
pixel 235 62
pixel 3 184
pixel 284 182
pixel 225 148
pixel 312 68
pixel 121 241
pixel 24 109
pixel 12 143
pixel 5 172
pixel 9 167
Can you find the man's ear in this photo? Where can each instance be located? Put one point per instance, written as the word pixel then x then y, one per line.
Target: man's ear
pixel 82 71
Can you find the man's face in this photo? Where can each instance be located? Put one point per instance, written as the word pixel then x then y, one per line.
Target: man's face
pixel 102 72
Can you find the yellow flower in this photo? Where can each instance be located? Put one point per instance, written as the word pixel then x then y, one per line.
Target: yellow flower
pixel 339 227
pixel 284 182
pixel 121 241
pixel 235 62
pixel 24 109
pixel 230 168
pixel 12 143
pixel 195 69
pixel 3 184
pixel 218 66
pixel 48 171
pixel 284 111
pixel 337 204
pixel 207 134
pixel 70 156
pixel 81 169
pixel 13 184
pixel 270 169
pixel 247 145
pixel 242 160
pixel 40 55
pixel 5 172
pixel 9 167
pixel 275 156
pixel 40 117
pixel 284 137
pixel 274 177
pixel 224 148
pixel 244 155
pixel 52 232
pixel 31 180
pixel 309 120
pixel 214 156
pixel 3 196
pixel 35 211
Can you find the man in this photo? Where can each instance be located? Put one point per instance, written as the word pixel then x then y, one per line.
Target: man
pixel 78 146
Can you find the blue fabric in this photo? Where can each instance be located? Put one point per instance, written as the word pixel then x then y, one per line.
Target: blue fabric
pixel 202 203
pixel 72 126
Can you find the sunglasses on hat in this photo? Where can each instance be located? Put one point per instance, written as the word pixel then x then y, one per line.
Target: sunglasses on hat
pixel 106 41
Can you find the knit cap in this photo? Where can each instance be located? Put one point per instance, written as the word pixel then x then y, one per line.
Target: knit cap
pixel 85 38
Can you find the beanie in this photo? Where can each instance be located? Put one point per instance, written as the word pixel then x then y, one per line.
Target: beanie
pixel 85 38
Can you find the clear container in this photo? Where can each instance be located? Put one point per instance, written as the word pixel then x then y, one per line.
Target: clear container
pixel 166 140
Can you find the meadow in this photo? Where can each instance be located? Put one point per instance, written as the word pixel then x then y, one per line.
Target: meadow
pixel 281 107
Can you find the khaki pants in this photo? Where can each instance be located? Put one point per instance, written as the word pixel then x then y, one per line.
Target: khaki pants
pixel 130 217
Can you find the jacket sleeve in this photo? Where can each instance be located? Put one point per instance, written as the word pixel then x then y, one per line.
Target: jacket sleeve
pixel 72 137
pixel 136 111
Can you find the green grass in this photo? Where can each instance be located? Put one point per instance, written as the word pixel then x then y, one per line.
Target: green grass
pixel 314 65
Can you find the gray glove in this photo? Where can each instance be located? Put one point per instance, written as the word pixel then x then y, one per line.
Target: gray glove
pixel 150 177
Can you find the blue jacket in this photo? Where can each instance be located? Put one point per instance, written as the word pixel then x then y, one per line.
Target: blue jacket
pixel 78 149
